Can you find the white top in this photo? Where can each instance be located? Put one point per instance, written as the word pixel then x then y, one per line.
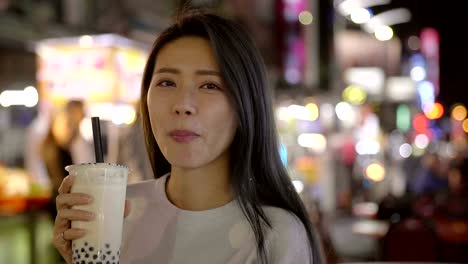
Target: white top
pixel 156 231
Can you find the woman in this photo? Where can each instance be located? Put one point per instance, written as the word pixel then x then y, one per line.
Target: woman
pixel 221 194
pixel 57 148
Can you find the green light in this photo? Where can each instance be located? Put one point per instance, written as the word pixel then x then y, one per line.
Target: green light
pixel 403 118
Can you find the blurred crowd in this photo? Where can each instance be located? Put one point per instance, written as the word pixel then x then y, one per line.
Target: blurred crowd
pixel 430 221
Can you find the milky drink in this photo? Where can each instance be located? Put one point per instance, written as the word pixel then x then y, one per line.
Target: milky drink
pixel 106 183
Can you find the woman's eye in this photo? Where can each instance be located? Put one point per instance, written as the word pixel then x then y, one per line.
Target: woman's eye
pixel 211 86
pixel 166 83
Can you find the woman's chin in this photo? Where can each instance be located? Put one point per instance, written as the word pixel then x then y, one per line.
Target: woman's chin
pixel 186 163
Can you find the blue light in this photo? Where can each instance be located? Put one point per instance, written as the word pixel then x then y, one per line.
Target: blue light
pixel 283 151
pixel 418 60
pixel 426 93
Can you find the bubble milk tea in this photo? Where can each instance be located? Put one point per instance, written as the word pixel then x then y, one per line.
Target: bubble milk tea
pixel 107 184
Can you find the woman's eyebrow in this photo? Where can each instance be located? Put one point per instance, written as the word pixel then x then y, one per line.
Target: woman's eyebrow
pixel 197 72
pixel 168 70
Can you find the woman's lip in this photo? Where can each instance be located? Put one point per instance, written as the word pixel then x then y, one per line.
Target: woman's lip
pixel 182 133
pixel 183 136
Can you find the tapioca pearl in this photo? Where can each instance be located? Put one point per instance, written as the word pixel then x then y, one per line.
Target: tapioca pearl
pixel 91 249
pixel 82 250
pixel 85 244
pixel 109 252
pixel 103 257
pixel 86 255
pixel 95 256
pixel 83 262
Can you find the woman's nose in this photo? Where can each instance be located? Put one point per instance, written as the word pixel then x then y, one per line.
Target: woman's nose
pixel 184 105
pixel 182 111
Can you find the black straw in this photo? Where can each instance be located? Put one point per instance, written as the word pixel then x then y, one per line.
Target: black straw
pixel 97 140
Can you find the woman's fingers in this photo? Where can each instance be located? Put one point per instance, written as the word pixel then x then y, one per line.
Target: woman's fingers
pixel 74 233
pixel 66 200
pixel 62 241
pixel 66 185
pixel 63 233
pixel 127 208
pixel 75 215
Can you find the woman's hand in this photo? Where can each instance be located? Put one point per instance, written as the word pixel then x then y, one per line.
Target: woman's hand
pixel 63 233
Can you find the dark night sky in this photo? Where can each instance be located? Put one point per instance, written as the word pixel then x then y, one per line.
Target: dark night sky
pixel 449 17
pixel 454 55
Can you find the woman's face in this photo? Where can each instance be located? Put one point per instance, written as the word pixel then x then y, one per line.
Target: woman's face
pixel 191 116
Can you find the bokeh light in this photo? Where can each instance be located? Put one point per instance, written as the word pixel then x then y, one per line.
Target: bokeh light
pixel 367 147
pixel 298 185
pixel 375 172
pixel 403 118
pixel 315 142
pixel 28 97
pixel 420 123
pixel 418 73
pixel 313 111
pixel 360 15
pixel 124 114
pixel 465 125
pixel 405 150
pixel 282 113
pixel 433 111
pixel 421 141
pixel 343 111
pixel 459 112
pixel 354 95
pixel 413 43
pixel 383 33
pixel 305 17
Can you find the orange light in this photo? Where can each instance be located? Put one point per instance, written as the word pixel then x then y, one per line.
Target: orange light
pixel 465 125
pixel 420 123
pixel 434 111
pixel 459 112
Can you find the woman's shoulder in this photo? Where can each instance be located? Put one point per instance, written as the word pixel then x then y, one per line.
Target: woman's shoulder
pixel 287 241
pixel 145 188
pixel 283 220
pixel 149 182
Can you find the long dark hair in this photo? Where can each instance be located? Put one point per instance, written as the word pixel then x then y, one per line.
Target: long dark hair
pixel 258 176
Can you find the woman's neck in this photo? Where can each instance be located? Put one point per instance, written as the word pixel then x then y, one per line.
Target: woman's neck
pixel 201 188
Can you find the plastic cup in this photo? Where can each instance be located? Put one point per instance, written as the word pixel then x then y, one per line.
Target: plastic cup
pixel 106 183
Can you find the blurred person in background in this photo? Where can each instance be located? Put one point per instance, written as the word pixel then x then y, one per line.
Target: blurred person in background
pixel 63 145
pixel 431 176
pixel 35 135
pixel 211 139
pixel 453 202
